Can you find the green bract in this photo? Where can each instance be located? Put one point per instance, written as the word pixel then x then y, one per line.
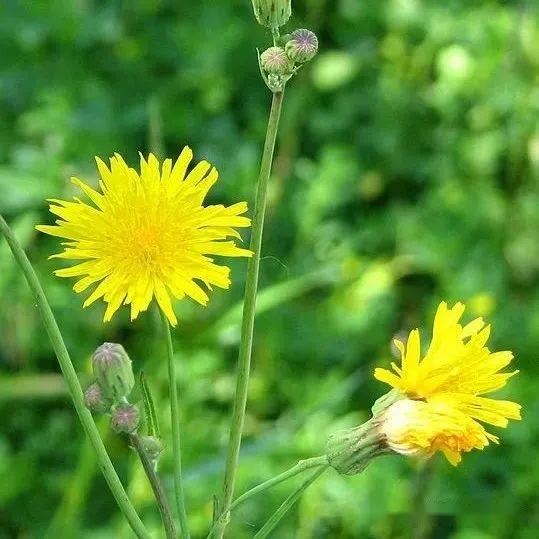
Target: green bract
pixel 272 13
pixel 113 371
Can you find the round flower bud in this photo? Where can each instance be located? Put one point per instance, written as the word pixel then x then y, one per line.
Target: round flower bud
pixel 94 399
pixel 125 418
pixel 113 371
pixel 274 60
pixel 272 13
pixel 302 46
pixel 152 445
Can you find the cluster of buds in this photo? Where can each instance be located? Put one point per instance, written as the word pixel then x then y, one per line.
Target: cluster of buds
pixel 109 393
pixel 114 381
pixel 280 62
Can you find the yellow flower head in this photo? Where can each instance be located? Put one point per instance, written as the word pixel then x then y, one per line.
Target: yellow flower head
pixel 147 234
pixel 444 388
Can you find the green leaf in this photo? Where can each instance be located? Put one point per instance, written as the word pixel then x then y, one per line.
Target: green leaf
pixel 149 408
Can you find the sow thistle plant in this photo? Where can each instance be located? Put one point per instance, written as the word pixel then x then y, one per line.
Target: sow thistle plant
pixel 146 236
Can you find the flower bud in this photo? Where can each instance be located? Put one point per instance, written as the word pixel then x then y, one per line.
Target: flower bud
pixel 125 418
pixel 113 371
pixel 275 61
pixel 350 451
pixel 152 445
pixel 302 46
pixel 272 13
pixel 94 399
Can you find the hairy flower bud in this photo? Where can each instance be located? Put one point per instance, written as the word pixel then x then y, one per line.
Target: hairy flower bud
pixel 125 418
pixel 275 61
pixel 302 46
pixel 152 445
pixel 272 13
pixel 94 399
pixel 350 451
pixel 113 371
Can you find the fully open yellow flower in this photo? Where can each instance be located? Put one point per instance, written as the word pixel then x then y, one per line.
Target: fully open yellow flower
pixel 444 389
pixel 147 234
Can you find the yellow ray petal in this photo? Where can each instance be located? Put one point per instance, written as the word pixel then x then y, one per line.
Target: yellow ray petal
pixel 163 300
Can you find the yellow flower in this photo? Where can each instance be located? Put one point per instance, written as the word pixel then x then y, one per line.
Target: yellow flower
pixel 147 234
pixel 444 388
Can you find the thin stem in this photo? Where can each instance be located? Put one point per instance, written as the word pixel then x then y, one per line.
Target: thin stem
pixel 73 384
pixel 275 36
pixel 249 304
pixel 300 467
pixel 287 504
pixel 159 493
pixel 420 521
pixel 176 438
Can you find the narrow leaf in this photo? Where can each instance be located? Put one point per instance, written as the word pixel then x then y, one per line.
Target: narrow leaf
pixel 215 508
pixel 149 408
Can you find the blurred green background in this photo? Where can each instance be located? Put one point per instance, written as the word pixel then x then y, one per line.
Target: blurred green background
pixel 407 172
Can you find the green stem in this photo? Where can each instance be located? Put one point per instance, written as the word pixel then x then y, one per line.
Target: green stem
pixel 159 493
pixel 420 521
pixel 176 438
pixel 287 504
pixel 73 383
pixel 300 467
pixel 249 304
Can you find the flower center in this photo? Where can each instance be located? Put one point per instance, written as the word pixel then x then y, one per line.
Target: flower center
pixel 147 245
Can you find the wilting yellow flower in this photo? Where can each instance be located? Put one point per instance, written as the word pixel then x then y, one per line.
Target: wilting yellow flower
pixel 444 388
pixel 147 234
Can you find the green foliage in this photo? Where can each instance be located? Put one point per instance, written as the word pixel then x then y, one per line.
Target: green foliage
pixel 407 172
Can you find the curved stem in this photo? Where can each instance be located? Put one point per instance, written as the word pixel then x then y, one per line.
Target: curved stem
pixel 73 384
pixel 176 438
pixel 159 493
pixel 300 467
pixel 247 326
pixel 287 504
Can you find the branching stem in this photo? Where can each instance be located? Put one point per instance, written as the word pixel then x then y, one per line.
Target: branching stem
pixel 288 503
